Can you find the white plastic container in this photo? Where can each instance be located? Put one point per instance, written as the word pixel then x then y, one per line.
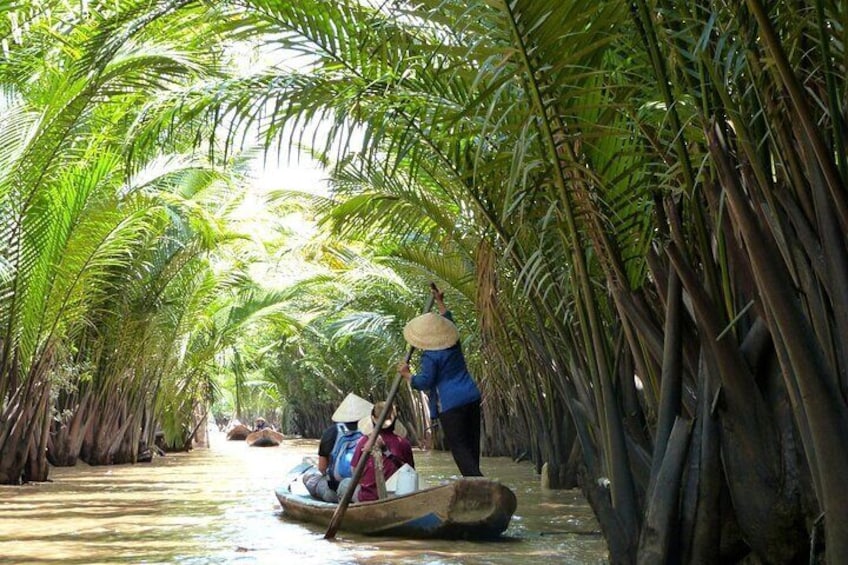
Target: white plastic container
pixel 407 480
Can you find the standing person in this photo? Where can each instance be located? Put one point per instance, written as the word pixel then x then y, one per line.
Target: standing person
pixel 444 375
pixel 338 441
pixel 395 451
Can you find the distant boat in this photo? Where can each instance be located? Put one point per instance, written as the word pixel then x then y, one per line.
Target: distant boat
pixel 468 508
pixel 238 432
pixel 266 437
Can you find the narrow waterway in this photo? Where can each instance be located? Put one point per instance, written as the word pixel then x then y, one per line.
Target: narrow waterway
pixel 217 505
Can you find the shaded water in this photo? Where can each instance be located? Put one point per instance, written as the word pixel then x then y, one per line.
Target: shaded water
pixel 217 505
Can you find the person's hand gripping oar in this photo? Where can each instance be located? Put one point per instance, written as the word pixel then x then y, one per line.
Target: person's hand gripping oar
pixel 336 520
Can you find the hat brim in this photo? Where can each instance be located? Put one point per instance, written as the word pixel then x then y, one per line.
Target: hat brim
pixel 351 409
pixel 430 332
pixel 366 426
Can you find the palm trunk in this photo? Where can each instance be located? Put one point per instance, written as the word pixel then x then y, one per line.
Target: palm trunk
pixel 67 437
pixel 809 381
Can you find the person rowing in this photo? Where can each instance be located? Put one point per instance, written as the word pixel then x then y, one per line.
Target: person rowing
pixel 444 375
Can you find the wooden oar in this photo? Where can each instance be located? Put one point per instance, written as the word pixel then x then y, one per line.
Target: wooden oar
pixel 336 521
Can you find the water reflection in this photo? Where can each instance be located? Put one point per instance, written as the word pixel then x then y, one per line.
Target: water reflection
pixel 217 506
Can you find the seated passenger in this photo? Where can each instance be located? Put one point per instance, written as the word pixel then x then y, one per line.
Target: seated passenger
pixel 394 449
pixel 335 451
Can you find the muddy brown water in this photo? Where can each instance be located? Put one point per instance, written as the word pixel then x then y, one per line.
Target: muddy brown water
pixel 217 505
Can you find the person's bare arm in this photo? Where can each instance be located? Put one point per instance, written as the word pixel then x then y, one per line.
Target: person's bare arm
pixel 323 464
pixel 439 297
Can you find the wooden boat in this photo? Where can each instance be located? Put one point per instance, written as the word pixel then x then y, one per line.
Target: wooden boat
pixel 238 432
pixel 266 437
pixel 468 508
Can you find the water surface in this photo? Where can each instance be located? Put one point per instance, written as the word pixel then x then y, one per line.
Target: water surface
pixel 217 505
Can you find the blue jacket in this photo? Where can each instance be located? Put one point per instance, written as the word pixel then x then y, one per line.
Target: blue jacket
pixel 445 378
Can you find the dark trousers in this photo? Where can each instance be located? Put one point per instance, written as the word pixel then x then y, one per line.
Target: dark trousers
pixel 461 427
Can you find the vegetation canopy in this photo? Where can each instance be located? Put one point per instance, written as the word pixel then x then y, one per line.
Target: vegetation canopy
pixel 638 211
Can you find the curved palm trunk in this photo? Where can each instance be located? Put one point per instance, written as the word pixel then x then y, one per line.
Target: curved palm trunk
pixel 24 426
pixel 37 468
pixel 818 404
pixel 67 436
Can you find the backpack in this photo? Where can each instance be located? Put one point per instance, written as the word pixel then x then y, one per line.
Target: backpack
pixel 342 453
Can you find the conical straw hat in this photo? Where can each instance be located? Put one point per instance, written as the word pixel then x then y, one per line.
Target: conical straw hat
pixel 430 332
pixel 352 409
pixel 366 424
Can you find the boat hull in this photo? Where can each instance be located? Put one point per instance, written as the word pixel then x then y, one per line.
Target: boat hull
pixel 238 432
pixel 264 438
pixel 469 508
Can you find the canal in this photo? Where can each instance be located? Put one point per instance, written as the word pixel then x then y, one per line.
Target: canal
pixel 217 505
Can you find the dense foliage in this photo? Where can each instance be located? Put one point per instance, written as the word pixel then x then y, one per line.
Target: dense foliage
pixel 639 210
